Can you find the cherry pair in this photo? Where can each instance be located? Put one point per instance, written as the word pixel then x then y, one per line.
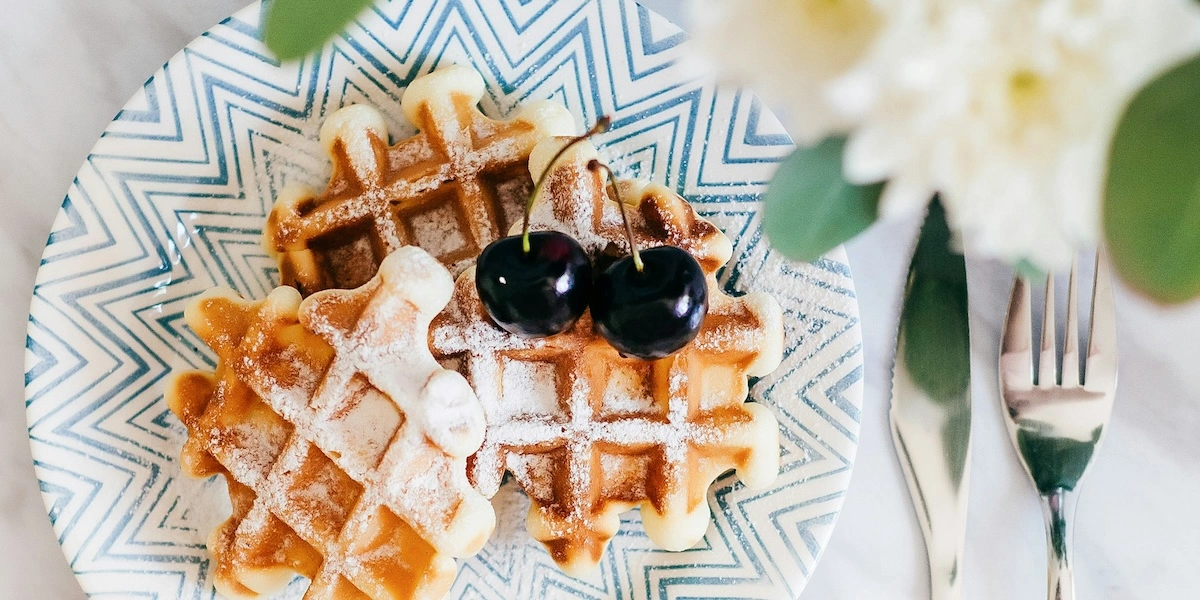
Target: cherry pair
pixel 648 304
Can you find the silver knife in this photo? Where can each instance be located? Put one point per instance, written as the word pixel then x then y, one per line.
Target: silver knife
pixel 931 401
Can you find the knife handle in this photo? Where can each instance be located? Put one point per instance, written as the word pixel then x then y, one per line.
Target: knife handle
pixel 945 566
pixel 941 507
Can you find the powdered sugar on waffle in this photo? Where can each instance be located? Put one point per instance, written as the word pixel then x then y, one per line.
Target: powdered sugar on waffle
pixel 445 189
pixel 386 344
pixel 580 203
pixel 588 433
pixel 334 414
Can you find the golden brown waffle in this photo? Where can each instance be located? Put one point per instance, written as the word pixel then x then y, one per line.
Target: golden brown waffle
pixel 452 189
pixel 343 442
pixel 589 433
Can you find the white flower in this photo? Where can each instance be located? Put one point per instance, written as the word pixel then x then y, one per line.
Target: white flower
pixel 1005 107
pixel 789 50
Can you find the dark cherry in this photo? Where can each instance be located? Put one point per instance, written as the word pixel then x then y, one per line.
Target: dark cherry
pixel 652 313
pixel 537 293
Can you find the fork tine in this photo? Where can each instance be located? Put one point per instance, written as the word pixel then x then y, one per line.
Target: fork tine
pixel 1016 352
pixel 1070 359
pixel 1101 368
pixel 1047 375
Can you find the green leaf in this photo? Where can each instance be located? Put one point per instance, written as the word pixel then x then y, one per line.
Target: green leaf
pixel 934 322
pixel 296 27
pixel 810 208
pixel 1152 199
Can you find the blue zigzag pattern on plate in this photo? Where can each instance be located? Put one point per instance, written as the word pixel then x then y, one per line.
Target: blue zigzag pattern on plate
pixel 172 200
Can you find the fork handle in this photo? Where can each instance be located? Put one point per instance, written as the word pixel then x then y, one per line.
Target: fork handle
pixel 1059 509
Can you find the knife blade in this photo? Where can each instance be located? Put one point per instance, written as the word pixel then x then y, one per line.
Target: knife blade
pixel 931 401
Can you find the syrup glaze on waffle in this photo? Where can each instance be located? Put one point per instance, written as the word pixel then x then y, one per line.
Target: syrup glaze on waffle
pixel 342 441
pixel 588 433
pixel 452 189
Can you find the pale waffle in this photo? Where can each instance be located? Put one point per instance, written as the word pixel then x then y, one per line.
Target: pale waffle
pixel 344 444
pixel 588 433
pixel 451 189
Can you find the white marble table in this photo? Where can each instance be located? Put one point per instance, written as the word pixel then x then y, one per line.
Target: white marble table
pixel 66 66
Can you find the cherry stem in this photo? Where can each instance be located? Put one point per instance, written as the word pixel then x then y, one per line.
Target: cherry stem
pixel 594 165
pixel 601 126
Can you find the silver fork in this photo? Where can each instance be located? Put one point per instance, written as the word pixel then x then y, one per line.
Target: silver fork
pixel 1057 419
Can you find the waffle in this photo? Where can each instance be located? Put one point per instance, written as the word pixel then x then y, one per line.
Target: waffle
pixel 342 441
pixel 451 189
pixel 588 433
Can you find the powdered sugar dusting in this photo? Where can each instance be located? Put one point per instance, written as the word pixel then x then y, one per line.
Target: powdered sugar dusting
pixel 341 430
pixel 252 445
pixel 409 153
pixel 528 388
pixel 437 230
pixel 588 457
pixel 628 390
pixel 361 430
pixel 434 190
pixel 512 193
pixel 579 202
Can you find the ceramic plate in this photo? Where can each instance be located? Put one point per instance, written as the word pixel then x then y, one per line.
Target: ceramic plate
pixel 171 201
